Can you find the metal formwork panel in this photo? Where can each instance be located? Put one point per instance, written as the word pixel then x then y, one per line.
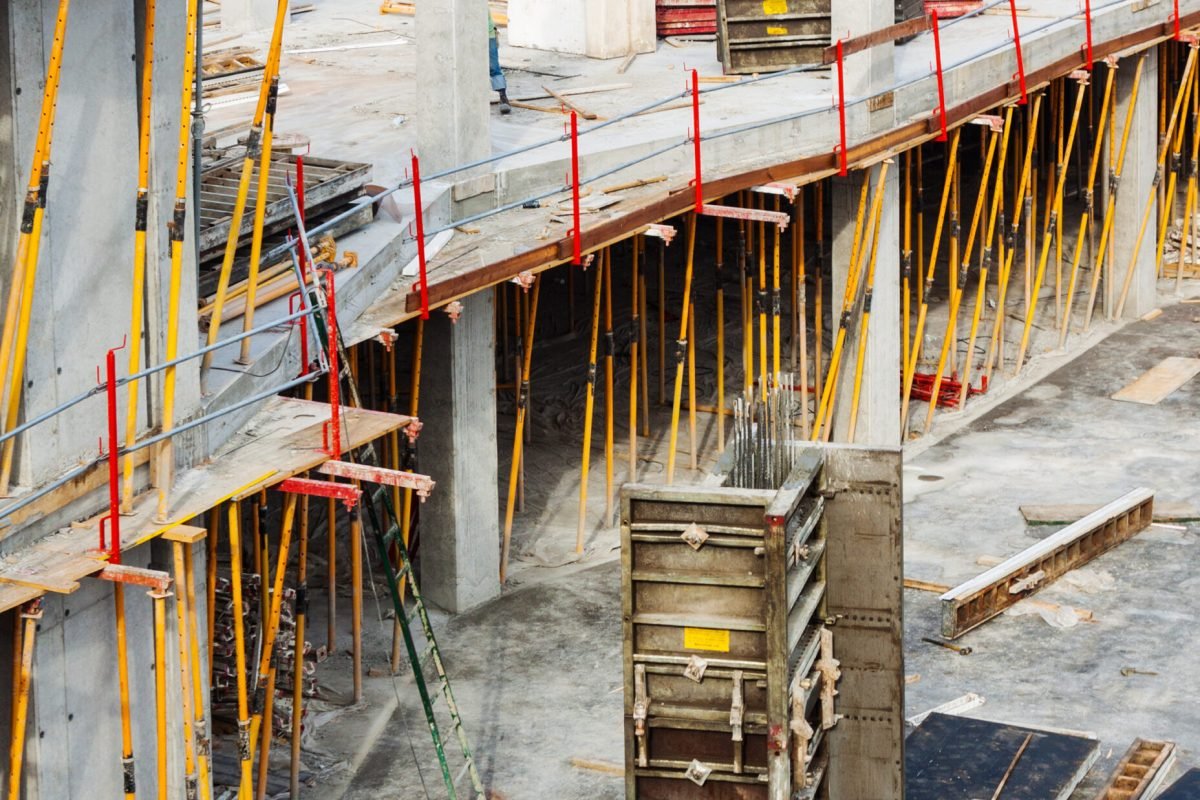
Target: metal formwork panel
pixel 770 35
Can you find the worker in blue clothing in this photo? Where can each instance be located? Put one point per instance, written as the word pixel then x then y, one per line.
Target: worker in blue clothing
pixel 498 83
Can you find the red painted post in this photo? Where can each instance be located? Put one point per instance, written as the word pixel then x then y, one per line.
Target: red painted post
pixel 576 244
pixel 334 444
pixel 1087 15
pixel 296 302
pixel 696 138
pixel 841 61
pixel 420 212
pixel 114 469
pixel 1178 33
pixel 937 51
pixel 1012 7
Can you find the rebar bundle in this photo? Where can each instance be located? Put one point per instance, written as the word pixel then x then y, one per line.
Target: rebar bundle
pixel 764 438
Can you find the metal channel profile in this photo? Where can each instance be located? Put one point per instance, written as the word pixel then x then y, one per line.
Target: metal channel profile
pixel 983 597
pixel 765 36
pixel 1141 772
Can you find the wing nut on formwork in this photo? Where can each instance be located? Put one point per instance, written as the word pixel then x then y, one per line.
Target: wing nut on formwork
pixel 387 337
pixel 694 535
pixel 694 671
pixel 697 772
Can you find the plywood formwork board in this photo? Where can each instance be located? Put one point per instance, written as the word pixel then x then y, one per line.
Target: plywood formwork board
pixel 1160 381
pixel 972 603
pixel 282 440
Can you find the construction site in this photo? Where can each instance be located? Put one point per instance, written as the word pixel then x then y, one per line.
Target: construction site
pixel 643 399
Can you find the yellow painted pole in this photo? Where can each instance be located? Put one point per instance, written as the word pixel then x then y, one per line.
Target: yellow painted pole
pixel 260 212
pixel 165 456
pixel 24 276
pixel 200 725
pixel 128 772
pixel 160 688
pixel 269 80
pixel 819 290
pixel 915 351
pixel 635 327
pixel 985 265
pixel 761 302
pixel 906 263
pixel 185 672
pixel 298 650
pixel 776 308
pixel 1089 205
pixel 138 290
pixel 693 443
pixel 1031 309
pixel 681 347
pixel 245 754
pixel 518 435
pixel 801 300
pixel 24 633
pixel 1189 88
pixel 590 405
pixel 958 285
pixel 1111 207
pixel 608 388
pixel 864 327
pixel 822 429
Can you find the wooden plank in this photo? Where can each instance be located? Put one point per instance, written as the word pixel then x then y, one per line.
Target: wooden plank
pixel 1160 381
pixel 889 34
pixel 972 603
pixel 578 109
pixel 1140 772
pixel 1066 513
pixel 282 440
pixel 186 534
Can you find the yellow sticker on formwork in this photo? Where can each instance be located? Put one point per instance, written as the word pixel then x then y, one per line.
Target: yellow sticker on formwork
pixel 774 6
pixel 772 31
pixel 706 639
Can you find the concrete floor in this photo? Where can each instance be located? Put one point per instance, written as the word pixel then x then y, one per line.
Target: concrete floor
pixel 537 672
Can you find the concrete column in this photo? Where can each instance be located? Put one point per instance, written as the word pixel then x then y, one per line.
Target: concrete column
pixel 459 524
pixel 453 92
pixel 879 397
pixel 871 71
pixel 1137 179
pixel 244 16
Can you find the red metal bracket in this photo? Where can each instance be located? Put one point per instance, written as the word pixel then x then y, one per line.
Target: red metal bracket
pixel 1087 20
pixel 331 431
pixel 1012 6
pixel 420 212
pixel 421 484
pixel 136 576
pixel 348 493
pixel 664 232
pixel 1175 19
pixel 696 138
pixel 840 150
pixel 114 469
pixel 576 242
pixel 788 190
pixel 937 52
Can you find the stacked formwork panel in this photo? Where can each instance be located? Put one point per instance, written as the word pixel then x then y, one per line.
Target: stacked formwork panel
pixel 762 634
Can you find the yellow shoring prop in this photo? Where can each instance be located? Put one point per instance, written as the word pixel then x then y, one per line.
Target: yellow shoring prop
pixel 693 444
pixel 518 435
pixel 906 262
pixel 986 263
pixel 24 633
pixel 865 324
pixel 260 215
pixel 24 275
pixel 819 291
pixel 1175 132
pixel 263 695
pixel 245 753
pixel 298 650
pixel 1085 220
pixel 128 773
pixel 254 141
pixel 138 290
pixel 609 347
pixel 745 289
pixel 823 426
pixel 589 405
pixel 644 341
pixel 200 723
pixel 1006 259
pixel 720 267
pixel 760 300
pixel 776 307
pixel 923 293
pixel 1031 309
pixel 681 347
pixel 635 327
pixel 161 778
pixel 1189 225
pixel 164 458
pixel 1111 207
pixel 185 671
pixel 800 299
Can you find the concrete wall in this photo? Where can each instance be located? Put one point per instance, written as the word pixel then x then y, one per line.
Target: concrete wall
pixel 73 733
pixel 81 299
pixel 595 28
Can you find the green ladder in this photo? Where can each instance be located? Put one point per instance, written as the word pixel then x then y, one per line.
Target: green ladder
pixel 420 661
